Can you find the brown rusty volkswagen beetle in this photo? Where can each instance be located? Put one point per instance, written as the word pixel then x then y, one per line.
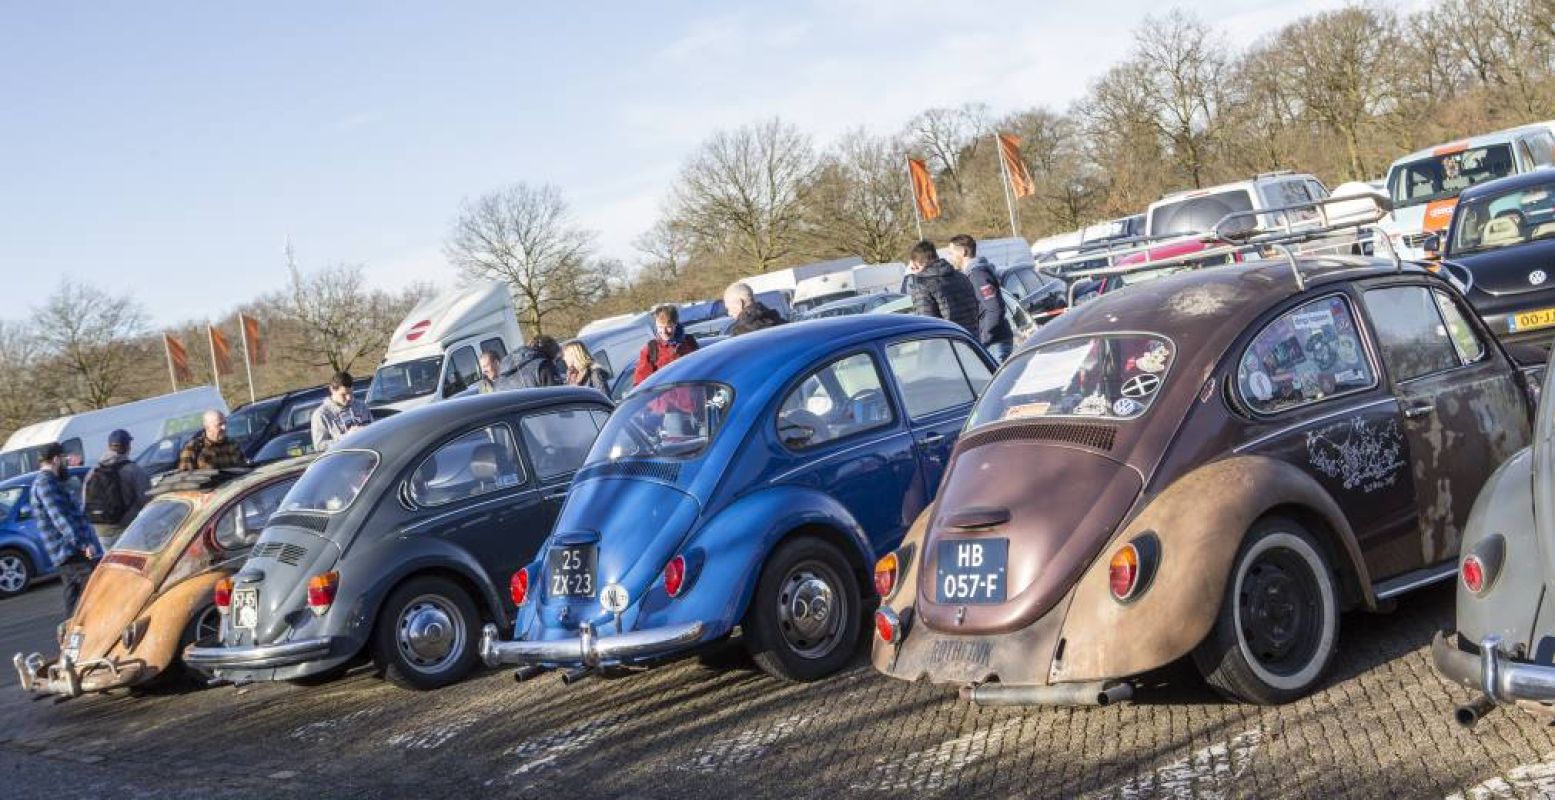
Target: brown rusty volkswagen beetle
pixel 1214 464
pixel 151 595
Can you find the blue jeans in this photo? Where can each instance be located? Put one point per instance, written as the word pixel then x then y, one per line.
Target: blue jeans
pixel 1000 350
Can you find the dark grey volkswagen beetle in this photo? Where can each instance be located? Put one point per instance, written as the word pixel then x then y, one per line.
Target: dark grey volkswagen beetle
pixel 398 543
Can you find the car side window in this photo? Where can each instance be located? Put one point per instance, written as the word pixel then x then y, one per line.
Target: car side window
pixel 1542 145
pixel 558 441
pixel 1464 339
pixel 1410 332
pixel 919 367
pixel 463 370
pixel 495 345
pixel 240 525
pixel 838 400
pixel 599 416
pixel 475 463
pixel 1526 154
pixel 976 371
pixel 1309 354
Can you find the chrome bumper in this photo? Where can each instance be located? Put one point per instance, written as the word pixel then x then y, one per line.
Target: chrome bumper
pixel 589 649
pixel 63 678
pixel 257 656
pixel 1493 672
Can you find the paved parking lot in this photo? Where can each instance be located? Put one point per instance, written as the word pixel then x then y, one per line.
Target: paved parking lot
pixel 1380 729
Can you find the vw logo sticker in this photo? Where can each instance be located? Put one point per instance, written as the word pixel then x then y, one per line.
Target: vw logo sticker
pixel 1537 277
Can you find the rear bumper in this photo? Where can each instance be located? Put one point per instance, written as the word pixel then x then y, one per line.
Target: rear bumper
pixel 67 678
pixel 263 656
pixel 1492 671
pixel 589 649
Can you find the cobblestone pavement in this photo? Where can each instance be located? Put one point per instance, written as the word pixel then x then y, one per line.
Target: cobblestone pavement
pixel 1381 728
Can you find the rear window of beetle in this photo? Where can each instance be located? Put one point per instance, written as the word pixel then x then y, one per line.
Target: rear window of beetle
pixel 154 526
pixel 332 483
pixel 1115 377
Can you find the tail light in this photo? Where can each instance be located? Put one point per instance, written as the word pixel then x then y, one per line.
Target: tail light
pixel 1473 573
pixel 675 576
pixel 1123 572
pixel 518 586
pixel 890 627
pixel 321 591
pixel 886 571
pixel 222 595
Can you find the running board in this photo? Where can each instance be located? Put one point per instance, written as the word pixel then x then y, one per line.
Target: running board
pixel 1395 586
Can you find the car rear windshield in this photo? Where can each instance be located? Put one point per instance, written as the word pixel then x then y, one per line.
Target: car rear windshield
pixel 1093 376
pixel 1505 219
pixel 405 380
pixel 1197 214
pixel 331 483
pixel 677 421
pixel 154 526
pixel 1439 177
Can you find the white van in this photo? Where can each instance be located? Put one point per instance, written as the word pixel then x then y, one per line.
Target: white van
pixel 435 352
pixel 84 436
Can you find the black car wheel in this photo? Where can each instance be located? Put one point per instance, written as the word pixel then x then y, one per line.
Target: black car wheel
pixel 1279 618
pixel 804 619
pixel 203 629
pixel 425 634
pixel 15 572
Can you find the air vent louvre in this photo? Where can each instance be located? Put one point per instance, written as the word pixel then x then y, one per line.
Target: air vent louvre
pixel 309 522
pixel 1096 437
pixel 653 470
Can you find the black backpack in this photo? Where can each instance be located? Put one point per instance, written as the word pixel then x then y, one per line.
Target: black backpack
pixel 105 504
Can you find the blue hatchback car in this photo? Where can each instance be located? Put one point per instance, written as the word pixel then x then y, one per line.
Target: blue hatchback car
pixel 753 484
pixel 22 557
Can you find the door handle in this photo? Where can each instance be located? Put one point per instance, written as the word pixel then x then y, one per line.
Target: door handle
pixel 1416 412
pixel 933 439
pixel 562 495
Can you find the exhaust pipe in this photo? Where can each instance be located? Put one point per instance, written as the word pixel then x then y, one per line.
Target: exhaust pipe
pixel 1473 711
pixel 526 673
pixel 1092 693
pixel 571 676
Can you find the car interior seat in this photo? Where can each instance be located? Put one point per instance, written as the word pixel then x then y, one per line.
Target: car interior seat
pixel 485 465
pixel 1545 229
pixel 1502 231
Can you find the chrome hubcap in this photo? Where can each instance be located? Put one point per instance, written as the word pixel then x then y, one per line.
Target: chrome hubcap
pixel 810 610
pixel 431 632
pixel 13 574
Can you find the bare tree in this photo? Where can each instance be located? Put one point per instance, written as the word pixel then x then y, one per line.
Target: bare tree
pixel 1183 63
pixel 860 204
pixel 525 236
pixel 949 136
pixel 340 322
pixel 745 191
pixel 20 401
pixel 90 338
pixel 666 247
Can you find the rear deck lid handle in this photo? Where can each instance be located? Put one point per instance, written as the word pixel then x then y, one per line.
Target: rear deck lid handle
pixel 977 517
pixel 566 538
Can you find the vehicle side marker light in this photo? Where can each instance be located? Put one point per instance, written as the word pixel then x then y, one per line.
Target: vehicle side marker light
pixel 222 595
pixel 675 576
pixel 1482 564
pixel 321 591
pixel 1473 572
pixel 1133 566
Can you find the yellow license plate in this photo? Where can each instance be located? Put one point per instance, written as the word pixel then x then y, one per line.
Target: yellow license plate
pixel 1528 320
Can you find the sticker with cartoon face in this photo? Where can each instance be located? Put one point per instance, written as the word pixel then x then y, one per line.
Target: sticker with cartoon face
pixel 1093 406
pixel 1154 360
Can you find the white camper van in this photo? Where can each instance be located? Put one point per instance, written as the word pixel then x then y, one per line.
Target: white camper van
pixel 435 352
pixel 84 436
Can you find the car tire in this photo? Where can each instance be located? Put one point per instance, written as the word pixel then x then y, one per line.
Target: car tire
pixel 785 635
pixel 1278 626
pixel 16 572
pixel 425 637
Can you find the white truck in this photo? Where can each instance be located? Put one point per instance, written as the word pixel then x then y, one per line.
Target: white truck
pixel 435 352
pixel 84 436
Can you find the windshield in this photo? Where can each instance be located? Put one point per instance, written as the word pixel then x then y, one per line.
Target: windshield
pixel 331 483
pixel 153 526
pixel 405 380
pixel 1502 220
pixel 677 421
pixel 251 420
pixel 19 462
pixel 8 500
pixel 163 453
pixel 287 445
pixel 1197 214
pixel 1439 177
pixel 1094 376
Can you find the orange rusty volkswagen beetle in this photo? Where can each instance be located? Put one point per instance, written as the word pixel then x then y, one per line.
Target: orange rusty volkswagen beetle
pixel 152 594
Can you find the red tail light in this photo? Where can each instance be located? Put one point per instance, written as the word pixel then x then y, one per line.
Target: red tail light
pixel 1123 572
pixel 222 594
pixel 321 591
pixel 888 626
pixel 518 586
pixel 675 576
pixel 1473 573
pixel 885 574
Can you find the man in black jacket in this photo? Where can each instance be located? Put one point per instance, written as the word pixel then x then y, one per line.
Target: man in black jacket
pixel 532 365
pixel 993 330
pixel 938 290
pixel 748 312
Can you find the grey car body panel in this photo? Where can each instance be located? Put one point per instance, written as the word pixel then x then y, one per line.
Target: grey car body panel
pixel 1509 607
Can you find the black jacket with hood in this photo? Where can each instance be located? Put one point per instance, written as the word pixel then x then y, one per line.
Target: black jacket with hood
pixel 755 317
pixel 940 290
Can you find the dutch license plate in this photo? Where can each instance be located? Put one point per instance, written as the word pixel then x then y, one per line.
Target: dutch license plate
pixel 972 571
pixel 571 571
pixel 73 645
pixel 1529 320
pixel 245 608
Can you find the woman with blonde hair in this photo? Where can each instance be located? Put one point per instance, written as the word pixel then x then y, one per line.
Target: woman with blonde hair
pixel 582 370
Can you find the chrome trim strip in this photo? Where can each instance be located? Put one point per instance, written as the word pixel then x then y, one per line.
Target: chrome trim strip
pixel 1393 587
pixel 258 656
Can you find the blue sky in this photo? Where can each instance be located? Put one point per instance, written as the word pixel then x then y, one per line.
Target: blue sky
pixel 166 150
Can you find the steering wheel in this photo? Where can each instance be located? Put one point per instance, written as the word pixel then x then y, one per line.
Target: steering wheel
pixel 867 407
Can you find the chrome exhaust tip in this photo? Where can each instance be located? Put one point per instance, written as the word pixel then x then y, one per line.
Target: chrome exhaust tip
pixel 1470 713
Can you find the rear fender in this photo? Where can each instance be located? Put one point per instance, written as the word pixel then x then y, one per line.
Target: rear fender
pixel 1200 520
pixel 407 558
pixel 1507 608
pixel 168 616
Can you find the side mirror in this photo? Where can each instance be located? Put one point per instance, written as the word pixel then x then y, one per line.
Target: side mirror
pixel 1432 245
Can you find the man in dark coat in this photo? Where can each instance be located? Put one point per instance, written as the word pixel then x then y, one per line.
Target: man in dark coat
pixel 749 314
pixel 938 290
pixel 993 330
pixel 532 365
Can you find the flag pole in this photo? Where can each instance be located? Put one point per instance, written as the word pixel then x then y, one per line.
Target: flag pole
pixel 912 196
pixel 1009 192
pixel 248 358
pixel 210 338
pixel 172 374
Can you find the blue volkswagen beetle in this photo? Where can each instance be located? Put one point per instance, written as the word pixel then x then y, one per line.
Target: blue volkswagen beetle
pixel 23 557
pixel 752 484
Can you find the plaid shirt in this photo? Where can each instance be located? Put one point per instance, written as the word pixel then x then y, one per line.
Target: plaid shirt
pixel 60 519
pixel 201 454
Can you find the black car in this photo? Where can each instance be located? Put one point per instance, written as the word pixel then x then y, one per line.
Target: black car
pixel 162 455
pixel 1042 295
pixel 1500 246
pixel 398 543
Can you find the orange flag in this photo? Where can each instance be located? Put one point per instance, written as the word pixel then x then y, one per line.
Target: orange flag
pixel 221 352
pixel 177 358
pixel 253 345
pixel 923 192
pixel 1015 166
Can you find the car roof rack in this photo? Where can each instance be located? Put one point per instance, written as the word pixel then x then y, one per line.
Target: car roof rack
pixel 198 480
